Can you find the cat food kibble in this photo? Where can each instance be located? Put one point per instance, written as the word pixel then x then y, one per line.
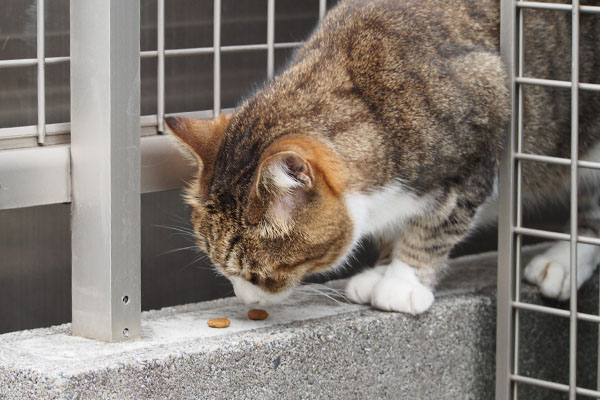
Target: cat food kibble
pixel 257 314
pixel 218 323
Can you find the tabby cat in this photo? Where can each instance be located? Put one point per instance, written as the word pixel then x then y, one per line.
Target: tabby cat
pixel 388 122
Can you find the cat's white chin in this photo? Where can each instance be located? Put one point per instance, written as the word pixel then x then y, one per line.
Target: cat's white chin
pixel 251 294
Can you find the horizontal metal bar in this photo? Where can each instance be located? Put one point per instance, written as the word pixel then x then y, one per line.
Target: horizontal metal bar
pixel 41 175
pixel 589 9
pixel 555 311
pixel 57 60
pixel 594 87
pixel 543 6
pixel 541 234
pixel 541 383
pixel 588 164
pixel 224 49
pixel 556 160
pixel 65 127
pixel 543 82
pixel 542 309
pixel 32 130
pixel 163 166
pixel 553 385
pixel 35 176
pixel 555 235
pixel 540 158
pixel 178 52
pixel 150 120
pixel 28 62
pixel 556 7
pixel 588 240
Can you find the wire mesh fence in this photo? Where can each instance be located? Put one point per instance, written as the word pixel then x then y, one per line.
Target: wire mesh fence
pixel 512 380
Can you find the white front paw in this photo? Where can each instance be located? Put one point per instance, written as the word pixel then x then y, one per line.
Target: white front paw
pixel 394 294
pixel 360 286
pixel 400 290
pixel 552 277
pixel 551 270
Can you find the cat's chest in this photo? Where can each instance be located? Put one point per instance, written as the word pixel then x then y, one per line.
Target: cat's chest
pixel 384 208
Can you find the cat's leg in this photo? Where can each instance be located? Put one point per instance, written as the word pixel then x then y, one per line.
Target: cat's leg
pixel 551 270
pixel 406 284
pixel 360 286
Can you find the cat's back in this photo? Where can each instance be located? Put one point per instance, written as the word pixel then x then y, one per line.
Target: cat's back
pixel 385 82
pixel 413 26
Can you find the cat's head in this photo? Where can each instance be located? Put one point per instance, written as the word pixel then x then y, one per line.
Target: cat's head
pixel 269 218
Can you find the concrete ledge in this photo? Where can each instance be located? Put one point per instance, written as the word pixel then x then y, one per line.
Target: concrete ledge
pixel 309 347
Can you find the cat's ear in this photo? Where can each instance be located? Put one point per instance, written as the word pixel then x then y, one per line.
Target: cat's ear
pixel 284 172
pixel 283 183
pixel 202 137
pixel 293 172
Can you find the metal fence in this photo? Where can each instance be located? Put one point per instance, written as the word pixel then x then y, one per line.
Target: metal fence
pixel 511 229
pixel 100 170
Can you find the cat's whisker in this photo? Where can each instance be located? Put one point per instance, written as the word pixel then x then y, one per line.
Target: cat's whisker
pixel 178 249
pixel 179 229
pixel 335 300
pixel 185 228
pixel 321 290
pixel 201 256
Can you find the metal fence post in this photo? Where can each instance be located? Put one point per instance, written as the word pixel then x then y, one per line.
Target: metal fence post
pixel 105 156
pixel 506 216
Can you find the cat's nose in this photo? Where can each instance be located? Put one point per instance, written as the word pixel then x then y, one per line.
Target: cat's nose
pixel 246 299
pixel 244 290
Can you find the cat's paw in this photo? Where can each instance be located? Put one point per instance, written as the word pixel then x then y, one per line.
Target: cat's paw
pixel 551 270
pixel 552 276
pixel 400 290
pixel 360 286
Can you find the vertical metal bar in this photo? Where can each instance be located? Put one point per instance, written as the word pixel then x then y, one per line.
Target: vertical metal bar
pixel 518 202
pixel 105 159
pixel 270 38
pixel 322 8
pixel 217 59
pixel 41 73
pixel 160 45
pixel 506 213
pixel 574 196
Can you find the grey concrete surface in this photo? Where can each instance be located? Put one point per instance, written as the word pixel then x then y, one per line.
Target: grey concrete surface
pixel 309 347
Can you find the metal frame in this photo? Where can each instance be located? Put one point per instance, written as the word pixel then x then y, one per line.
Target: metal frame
pixel 105 159
pixel 510 213
pixel 25 137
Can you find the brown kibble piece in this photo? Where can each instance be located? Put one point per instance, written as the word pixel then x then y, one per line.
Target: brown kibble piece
pixel 218 323
pixel 257 314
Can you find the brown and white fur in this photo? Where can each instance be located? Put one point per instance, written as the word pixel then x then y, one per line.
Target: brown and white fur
pixel 388 122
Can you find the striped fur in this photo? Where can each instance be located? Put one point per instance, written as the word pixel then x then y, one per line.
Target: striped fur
pixel 388 122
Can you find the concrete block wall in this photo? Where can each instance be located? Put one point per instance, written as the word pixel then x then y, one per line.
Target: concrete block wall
pixel 309 347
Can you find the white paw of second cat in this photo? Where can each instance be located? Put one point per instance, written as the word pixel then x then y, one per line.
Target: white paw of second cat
pixel 552 276
pixel 391 288
pixel 551 270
